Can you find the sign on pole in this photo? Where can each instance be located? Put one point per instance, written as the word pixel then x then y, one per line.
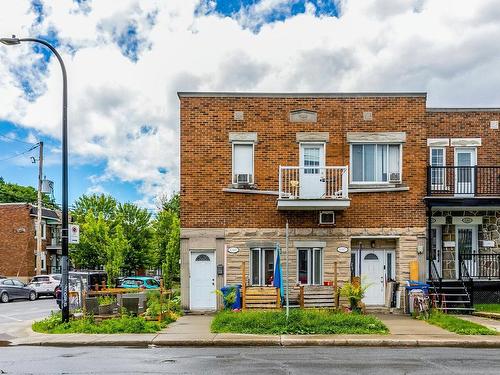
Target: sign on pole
pixel 74 233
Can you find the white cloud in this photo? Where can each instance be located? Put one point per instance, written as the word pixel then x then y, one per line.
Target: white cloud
pixel 124 110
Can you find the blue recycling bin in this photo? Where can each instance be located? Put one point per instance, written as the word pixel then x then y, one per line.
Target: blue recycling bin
pixel 228 289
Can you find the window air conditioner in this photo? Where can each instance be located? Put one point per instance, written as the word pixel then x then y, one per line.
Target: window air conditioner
pixel 327 217
pixel 243 178
pixel 394 177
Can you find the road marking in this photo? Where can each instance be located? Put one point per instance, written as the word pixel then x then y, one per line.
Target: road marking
pixel 9 317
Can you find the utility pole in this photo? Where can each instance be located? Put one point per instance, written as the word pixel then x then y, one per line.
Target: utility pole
pixel 39 212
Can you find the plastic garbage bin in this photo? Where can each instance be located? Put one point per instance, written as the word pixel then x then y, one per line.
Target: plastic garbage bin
pixel 228 289
pixel 414 287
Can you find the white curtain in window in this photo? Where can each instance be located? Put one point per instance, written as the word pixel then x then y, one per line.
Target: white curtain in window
pixel 394 158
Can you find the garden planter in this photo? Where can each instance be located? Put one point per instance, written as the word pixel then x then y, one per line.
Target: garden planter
pixel 106 309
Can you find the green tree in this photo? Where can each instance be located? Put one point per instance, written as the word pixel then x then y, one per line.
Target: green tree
pixel 12 193
pixel 98 204
pixel 91 252
pixel 170 204
pixel 116 249
pixel 171 266
pixel 136 224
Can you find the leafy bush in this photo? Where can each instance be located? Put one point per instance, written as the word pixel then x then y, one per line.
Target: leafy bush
pixel 106 300
pixel 123 324
pixel 317 321
pixel 354 292
pixel 169 308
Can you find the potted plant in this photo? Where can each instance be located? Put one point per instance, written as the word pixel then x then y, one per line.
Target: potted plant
pixel 107 305
pixel 354 292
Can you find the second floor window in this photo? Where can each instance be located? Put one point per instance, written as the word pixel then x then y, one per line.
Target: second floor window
pixel 373 163
pixel 243 163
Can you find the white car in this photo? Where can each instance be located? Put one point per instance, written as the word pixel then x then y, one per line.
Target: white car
pixel 45 285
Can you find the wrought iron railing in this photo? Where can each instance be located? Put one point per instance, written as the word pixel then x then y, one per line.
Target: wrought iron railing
pixel 466 277
pixel 463 181
pixel 481 265
pixel 436 281
pixel 313 182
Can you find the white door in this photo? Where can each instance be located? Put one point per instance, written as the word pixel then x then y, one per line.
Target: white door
pixel 466 246
pixel 372 274
pixel 202 281
pixel 465 158
pixel 312 175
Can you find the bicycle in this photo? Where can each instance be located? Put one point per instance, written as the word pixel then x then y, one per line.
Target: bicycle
pixel 421 305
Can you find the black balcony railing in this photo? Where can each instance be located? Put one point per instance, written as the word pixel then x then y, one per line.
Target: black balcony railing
pixel 483 265
pixel 463 181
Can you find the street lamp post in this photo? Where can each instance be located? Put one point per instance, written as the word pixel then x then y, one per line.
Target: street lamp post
pixel 64 234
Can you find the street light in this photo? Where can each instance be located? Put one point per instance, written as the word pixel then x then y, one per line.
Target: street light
pixel 64 235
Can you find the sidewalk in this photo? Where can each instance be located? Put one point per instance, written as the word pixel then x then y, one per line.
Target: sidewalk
pixel 194 330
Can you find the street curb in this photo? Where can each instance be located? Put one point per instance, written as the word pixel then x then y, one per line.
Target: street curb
pixel 475 342
pixel 484 314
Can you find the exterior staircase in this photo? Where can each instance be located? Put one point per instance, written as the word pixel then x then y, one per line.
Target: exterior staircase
pixel 451 296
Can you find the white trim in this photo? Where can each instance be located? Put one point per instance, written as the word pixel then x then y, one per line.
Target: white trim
pixel 253 161
pixel 442 185
pixel 262 271
pixel 466 142
pixel 326 213
pixel 310 264
pixel 473 220
pixel 388 144
pixel 438 142
pixel 313 204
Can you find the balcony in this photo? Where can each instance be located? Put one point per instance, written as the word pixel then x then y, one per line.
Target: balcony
pixel 313 188
pixel 463 182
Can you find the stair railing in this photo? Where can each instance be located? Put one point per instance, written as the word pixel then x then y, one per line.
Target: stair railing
pixel 437 276
pixel 464 273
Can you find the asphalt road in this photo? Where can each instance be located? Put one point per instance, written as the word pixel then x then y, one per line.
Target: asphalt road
pixel 262 361
pixel 24 310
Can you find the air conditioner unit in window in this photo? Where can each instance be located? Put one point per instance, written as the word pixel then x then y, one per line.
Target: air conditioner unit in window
pixel 243 178
pixel 327 217
pixel 394 177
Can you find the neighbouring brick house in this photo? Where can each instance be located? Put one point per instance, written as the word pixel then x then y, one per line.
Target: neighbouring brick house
pixel 18 240
pixel 347 172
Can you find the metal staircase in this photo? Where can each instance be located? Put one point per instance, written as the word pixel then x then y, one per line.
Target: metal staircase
pixel 452 296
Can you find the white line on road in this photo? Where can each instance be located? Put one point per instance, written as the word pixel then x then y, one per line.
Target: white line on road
pixel 9 317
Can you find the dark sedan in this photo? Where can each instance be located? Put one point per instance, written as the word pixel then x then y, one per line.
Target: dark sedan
pixel 11 289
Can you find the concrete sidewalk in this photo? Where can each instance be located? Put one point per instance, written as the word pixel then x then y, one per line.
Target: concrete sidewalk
pixel 194 330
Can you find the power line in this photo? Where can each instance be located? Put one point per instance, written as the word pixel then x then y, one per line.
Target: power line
pixel 19 153
pixel 15 139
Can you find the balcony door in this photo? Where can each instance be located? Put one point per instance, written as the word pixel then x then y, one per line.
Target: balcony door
pixel 312 174
pixel 465 159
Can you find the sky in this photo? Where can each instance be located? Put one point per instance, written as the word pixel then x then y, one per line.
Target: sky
pixel 127 59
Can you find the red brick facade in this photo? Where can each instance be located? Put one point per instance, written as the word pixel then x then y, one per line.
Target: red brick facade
pixel 18 241
pixel 206 158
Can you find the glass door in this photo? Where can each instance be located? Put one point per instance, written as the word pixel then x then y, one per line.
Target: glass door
pixel 465 161
pixel 312 175
pixel 466 248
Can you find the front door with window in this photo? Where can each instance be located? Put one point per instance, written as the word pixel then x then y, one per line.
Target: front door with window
pixel 466 248
pixel 372 274
pixel 465 159
pixel 202 281
pixel 312 174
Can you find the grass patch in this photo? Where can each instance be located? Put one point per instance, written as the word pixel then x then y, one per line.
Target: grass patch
pixel 123 324
pixel 457 325
pixel 488 307
pixel 301 322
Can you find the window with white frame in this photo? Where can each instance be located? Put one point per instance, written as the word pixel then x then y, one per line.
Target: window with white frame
pixel 374 163
pixel 310 266
pixel 437 158
pixel 44 230
pixel 243 163
pixel 262 266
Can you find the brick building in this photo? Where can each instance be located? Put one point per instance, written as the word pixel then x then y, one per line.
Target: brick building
pixel 18 240
pixel 347 172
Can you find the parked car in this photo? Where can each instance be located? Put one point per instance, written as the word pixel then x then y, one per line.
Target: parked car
pixel 142 282
pixel 45 285
pixel 11 289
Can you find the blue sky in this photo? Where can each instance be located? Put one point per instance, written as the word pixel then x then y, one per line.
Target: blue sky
pixel 127 59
